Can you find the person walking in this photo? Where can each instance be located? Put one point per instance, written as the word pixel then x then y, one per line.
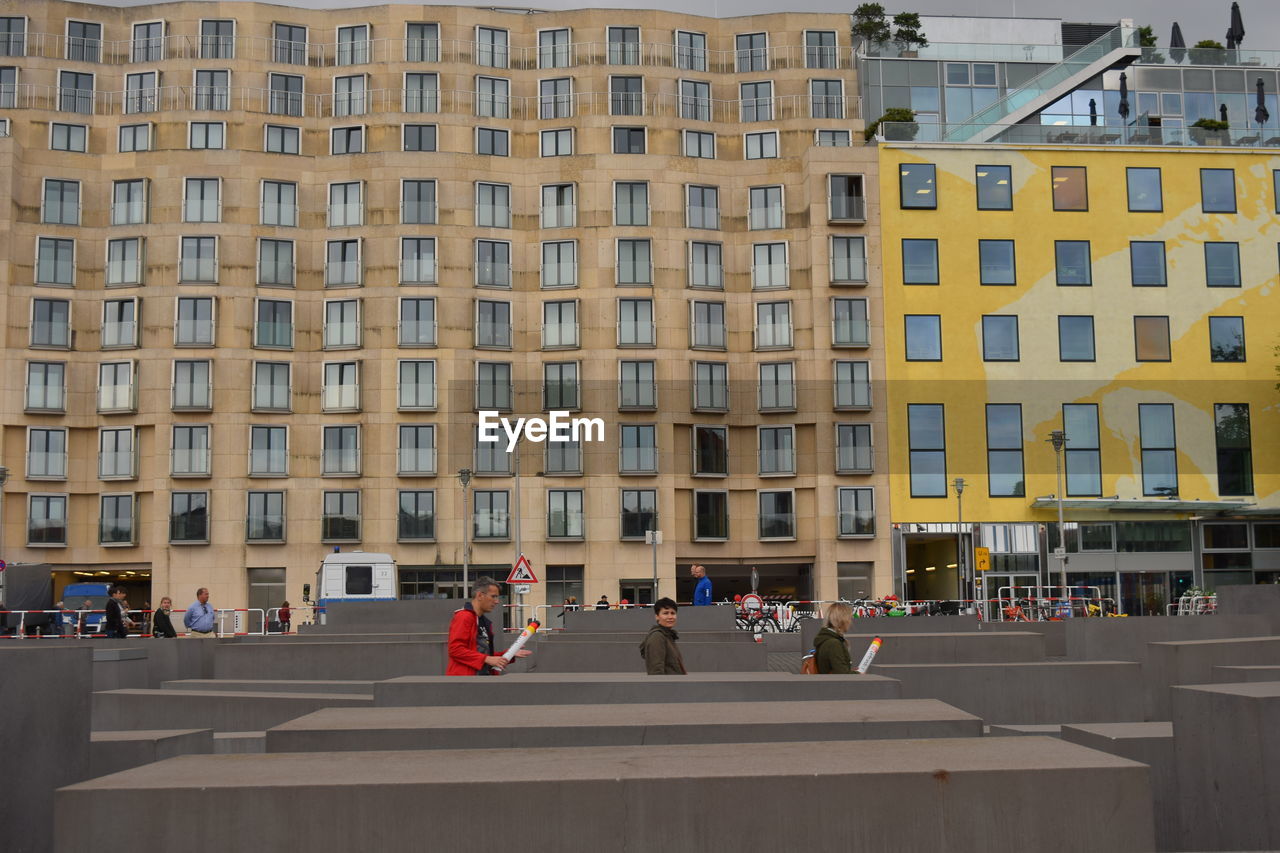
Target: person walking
pixel 201 620
pixel 659 650
pixel 470 647
pixel 162 625
pixel 285 618
pixel 114 622
pixel 702 592
pixel 831 650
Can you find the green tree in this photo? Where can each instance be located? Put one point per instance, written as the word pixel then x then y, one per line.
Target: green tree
pixel 908 34
pixel 1146 37
pixel 869 24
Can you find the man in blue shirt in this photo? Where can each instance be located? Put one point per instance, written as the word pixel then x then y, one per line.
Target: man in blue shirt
pixel 702 592
pixel 201 619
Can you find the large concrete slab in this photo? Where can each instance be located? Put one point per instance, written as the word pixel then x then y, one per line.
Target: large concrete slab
pixel 1151 744
pixel 120 668
pixel 692 619
pixel 44 735
pixel 962 794
pixel 1054 633
pixel 1192 662
pixel 1254 600
pixel 1227 754
pixel 362 687
pixel 949 647
pixel 111 752
pixel 620 688
pixel 1127 638
pixel 373 616
pixel 1044 730
pixel 325 661
pixel 1027 693
pixel 741 655
pixel 135 710
pixel 574 726
pixel 1236 674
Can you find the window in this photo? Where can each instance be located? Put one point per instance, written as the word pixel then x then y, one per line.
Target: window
pixel 142 92
pixel 61 202
pixel 833 139
pixel 854 452
pixel 1000 338
pixel 67 137
pixel 626 96
pixel 852 385
pixel 1151 338
pixel 1222 264
pixel 493 385
pixel 492 142
pixel 710 515
pixel 766 210
pixel 634 264
pixel 560 386
pixel 845 199
pixel 341 391
pixel 777 450
pixel 1226 338
pixel 46 454
pixel 493 324
pixel 560 324
pixel 417 385
pixel 275 263
pixel 553 49
pixel 272 390
pixel 773 325
pixel 353 45
pixel 820 49
pixel 279 203
pixel 1218 190
pixel 638 452
pixel 119 323
pixel 1159 449
pixel 757 101
pixel 559 208
pixel 493 97
pixel 416 519
pixel 416 449
pixel 996 262
pixel 342 263
pixel 919 261
pixel 637 388
pixel 285 96
pixel 347 140
pixel 926 438
pixel 760 146
pixel 710 386
pixel 769 267
pixel 857 512
pixel 188 517
pixel 46 386
pixel 422 42
pixel 418 201
pixel 340 521
pixel 777 515
pixel 1144 190
pixel 639 512
pixel 1075 338
pixel 1070 188
pixel 116 457
pixel 490 514
pixel 631 203
pixel 706 267
pixel 419 137
pixel 628 140
pixel 129 202
pixel 491 457
pixel 1146 264
pixel 212 90
pixel 55 261
pixel 124 261
pixel 752 52
pixel 1074 267
pixel 217 39
pixel 564 457
pixel 1234 444
pixel 264 517
pixel 710 451
pixel 202 200
pixel 556 143
pixel 1005 475
pixel 289 44
pixel 564 512
pixel 51 323
pixel 273 324
pixel 47 520
pixel 341 454
pixel 695 100
pixel 1083 453
pixel 924 337
pixel 282 140
pixel 189 451
pixel 193 324
pixel 207 135
pixel 555 98
pixel 826 99
pixel 706 325
pixel 346 205
pixel 116 387
pixel 995 187
pixel 417 260
pixel 417 322
pixel 341 323
pixel 493 263
pixel 848 260
pixel 691 50
pixel 624 45
pixel 115 520
pixel 635 322
pixel 134 137
pixel 699 143
pixel 422 95
pixel 198 260
pixel 491 47
pixel 84 41
pixel 917 186
pixel 75 92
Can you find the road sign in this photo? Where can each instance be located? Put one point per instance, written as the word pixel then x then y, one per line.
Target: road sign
pixel 981 559
pixel 523 588
pixel 3 565
pixel 522 572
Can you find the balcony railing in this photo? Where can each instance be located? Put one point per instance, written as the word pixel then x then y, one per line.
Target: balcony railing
pixel 1238 136
pixel 1237 57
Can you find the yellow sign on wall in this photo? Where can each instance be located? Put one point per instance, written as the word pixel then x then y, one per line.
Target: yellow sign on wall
pixel 981 559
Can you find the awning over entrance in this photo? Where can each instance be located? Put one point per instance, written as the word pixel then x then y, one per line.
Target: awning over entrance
pixel 1160 505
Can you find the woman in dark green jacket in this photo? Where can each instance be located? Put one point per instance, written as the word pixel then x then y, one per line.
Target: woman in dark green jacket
pixel 831 650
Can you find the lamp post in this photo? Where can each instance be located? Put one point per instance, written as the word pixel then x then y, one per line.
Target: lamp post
pixel 958 483
pixel 654 538
pixel 464 477
pixel 1058 438
pixel 4 477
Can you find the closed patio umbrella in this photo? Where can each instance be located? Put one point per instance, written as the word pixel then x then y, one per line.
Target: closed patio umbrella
pixel 1093 107
pixel 1260 113
pixel 1177 44
pixel 1123 109
pixel 1235 35
pixel 1222 111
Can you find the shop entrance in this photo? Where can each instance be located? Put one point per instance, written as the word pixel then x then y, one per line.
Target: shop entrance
pixel 930 567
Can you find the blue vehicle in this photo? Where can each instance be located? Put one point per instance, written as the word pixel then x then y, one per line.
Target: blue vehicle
pixel 75 594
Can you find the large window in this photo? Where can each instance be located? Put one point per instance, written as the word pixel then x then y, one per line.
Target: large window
pixel 285 94
pixel 273 324
pixel 116 392
pixel 757 101
pixel 265 517
pixel 637 388
pixel 51 323
pixel 560 386
pixel 417 326
pixel 341 453
pixel 202 200
pixel 777 515
pixel 1075 338
pixel 849 324
pixel 554 49
pixel 628 140
pixel 418 260
pixel 416 450
pixel 826 99
pixel 46 386
pixel 631 203
pixel 917 183
pixel 1070 188
pixel 1151 339
pixel 340 521
pixel 341 388
pixel 1159 449
pixel 1000 338
pixel 710 386
pixel 555 98
pixel 493 205
pixel 47 520
pixel 710 515
pixel 353 45
pixel 560 324
pixel 289 44
pixel 188 517
pixel 1218 190
pixel 626 96
pixel 272 390
pixel 1233 438
pixel 342 263
pixel 116 457
pixel 1004 451
pixel 559 208
pixel 55 261
pixel 777 387
pixel 769 267
pixel 853 449
pixel 493 324
pixel 702 209
pixel 1146 264
pixel 193 325
pixel 1144 190
pixel 995 187
pixel 706 265
pixel 923 337
pixel 695 100
pixel 848 260
pixel 1226 339
pixel 115 520
pixel 559 263
pixel 129 202
pixel 46 454
pixel 493 263
pixel 492 47
pixel 416 385
pixel 279 203
pixel 124 261
pixel 192 385
pixel 765 210
pixel 777 450
pixel 638 453
pixel 996 262
pixel 189 451
pixel 493 385
pixel 198 262
pixel 773 325
pixel 635 322
pixel 62 137
pixel 268 451
pixel 565 514
pixel 1083 452
pixel 490 514
pixel 493 97
pixel 710 451
pixel 1073 264
pixel 706 325
pixel 852 385
pixel 1222 264
pixel 416 519
pixel 639 511
pixel 857 512
pixel 846 201
pixel 275 263
pixel 919 261
pixel 61 202
pixel 635 263
pixel 926 438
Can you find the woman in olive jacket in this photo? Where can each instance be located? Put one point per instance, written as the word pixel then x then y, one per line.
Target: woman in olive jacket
pixel 831 650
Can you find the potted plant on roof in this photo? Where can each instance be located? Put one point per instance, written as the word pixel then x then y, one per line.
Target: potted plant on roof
pixel 907 34
pixel 870 26
pixel 1209 131
pixel 899 125
pixel 1208 52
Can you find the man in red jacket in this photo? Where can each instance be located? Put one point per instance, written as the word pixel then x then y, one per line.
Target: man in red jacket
pixel 471 650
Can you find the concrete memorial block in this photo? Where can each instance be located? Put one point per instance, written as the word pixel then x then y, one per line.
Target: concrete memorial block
pixel 1237 674
pixel 1192 662
pixel 135 710
pixel 1127 638
pixel 239 743
pixel 1054 633
pixel 361 729
pixel 1147 743
pixel 120 668
pixel 1043 730
pixel 640 619
pixel 44 735
pixel 1261 600
pixel 332 660
pixel 905 795
pixel 949 647
pixel 352 617
pixel 1227 754
pixel 742 655
pixel 364 687
pixel 1027 693
pixel 111 752
pixel 619 688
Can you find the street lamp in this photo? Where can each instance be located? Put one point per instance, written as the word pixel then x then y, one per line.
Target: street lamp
pixel 4 477
pixel 464 477
pixel 1058 438
pixel 958 482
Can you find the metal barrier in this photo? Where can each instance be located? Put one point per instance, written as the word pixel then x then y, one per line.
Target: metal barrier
pixel 1193 605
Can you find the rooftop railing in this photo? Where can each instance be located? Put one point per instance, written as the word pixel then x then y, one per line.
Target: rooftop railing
pixel 1035 134
pixel 1211 57
pixel 968 52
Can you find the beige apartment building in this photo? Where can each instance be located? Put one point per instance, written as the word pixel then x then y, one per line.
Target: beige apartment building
pixel 265 264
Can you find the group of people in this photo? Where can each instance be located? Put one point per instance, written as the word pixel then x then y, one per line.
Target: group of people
pixel 200 619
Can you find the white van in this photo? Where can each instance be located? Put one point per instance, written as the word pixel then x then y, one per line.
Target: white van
pixel 355 576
